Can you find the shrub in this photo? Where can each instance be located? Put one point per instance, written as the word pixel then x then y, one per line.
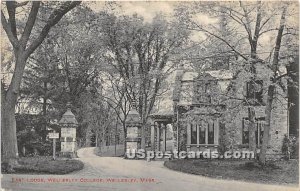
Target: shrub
pixel 290 147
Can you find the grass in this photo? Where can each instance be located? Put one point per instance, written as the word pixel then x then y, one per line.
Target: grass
pixel 276 172
pixel 46 165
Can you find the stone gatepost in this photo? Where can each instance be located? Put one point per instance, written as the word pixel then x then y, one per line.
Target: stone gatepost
pixel 133 131
pixel 68 124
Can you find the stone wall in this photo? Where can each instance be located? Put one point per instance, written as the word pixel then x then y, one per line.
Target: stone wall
pixel 279 117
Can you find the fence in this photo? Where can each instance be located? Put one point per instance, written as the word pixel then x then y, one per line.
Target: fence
pixel 110 151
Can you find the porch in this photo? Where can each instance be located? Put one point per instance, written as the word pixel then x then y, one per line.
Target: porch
pixel 162 135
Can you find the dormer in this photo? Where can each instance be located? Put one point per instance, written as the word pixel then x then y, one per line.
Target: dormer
pixel 206 89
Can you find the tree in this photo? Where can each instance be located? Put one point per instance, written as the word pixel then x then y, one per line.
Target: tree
pixel 23 47
pixel 65 68
pixel 97 116
pixel 42 82
pixel 272 87
pixel 140 53
pixel 115 96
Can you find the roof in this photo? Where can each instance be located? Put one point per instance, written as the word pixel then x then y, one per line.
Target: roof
pixel 163 113
pixel 133 116
pixel 68 118
pixel 218 74
pixel 221 74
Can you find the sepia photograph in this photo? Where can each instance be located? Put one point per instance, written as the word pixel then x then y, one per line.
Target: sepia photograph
pixel 150 95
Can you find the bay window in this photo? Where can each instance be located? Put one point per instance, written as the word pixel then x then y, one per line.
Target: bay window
pixel 202 133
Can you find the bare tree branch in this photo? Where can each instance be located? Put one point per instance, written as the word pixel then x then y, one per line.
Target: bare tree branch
pixel 53 19
pixel 13 40
pixel 30 22
pixel 11 9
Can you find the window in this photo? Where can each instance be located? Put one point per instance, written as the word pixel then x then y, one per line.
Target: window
pixel 205 132
pixel 220 63
pixel 206 89
pixel 259 131
pixel 211 133
pixel 203 92
pixel 255 92
pixel 201 134
pixel 193 134
pixel 245 139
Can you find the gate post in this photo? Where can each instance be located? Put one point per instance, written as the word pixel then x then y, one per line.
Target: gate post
pixel 133 131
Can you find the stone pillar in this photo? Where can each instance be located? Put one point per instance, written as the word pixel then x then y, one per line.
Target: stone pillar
pixel 158 136
pixel 153 136
pixel 188 136
pixel 164 144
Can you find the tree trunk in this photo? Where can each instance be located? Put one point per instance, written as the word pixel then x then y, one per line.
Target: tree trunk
pixel 271 89
pixel 266 137
pixel 143 139
pixel 125 132
pixel 44 130
pixel 8 135
pixel 96 140
pixel 8 121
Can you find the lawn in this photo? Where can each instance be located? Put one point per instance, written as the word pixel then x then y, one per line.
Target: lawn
pixel 276 172
pixel 46 165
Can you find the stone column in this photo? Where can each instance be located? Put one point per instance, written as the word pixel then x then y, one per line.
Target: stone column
pixel 158 136
pixel 153 136
pixel 189 136
pixel 164 137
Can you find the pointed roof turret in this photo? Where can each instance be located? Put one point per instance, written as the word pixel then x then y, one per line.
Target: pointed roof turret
pixel 133 116
pixel 68 117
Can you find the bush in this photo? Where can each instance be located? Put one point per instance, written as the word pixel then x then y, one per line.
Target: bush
pixel 290 147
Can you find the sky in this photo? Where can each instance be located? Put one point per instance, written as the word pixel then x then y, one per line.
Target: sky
pixel 143 8
pixel 148 10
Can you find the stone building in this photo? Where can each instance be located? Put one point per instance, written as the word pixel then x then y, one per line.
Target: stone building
pixel 211 107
